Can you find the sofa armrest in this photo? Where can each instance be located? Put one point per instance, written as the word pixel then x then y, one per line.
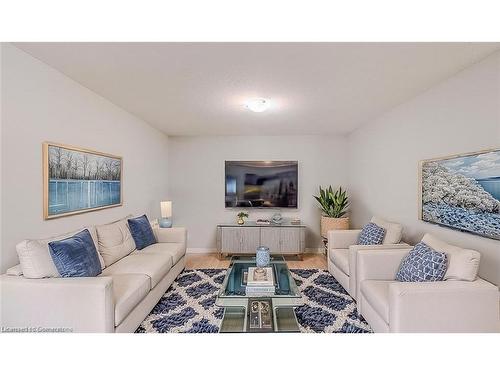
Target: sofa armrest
pixel 444 306
pixel 178 235
pixel 353 253
pixel 342 239
pixel 378 265
pixel 396 246
pixel 79 304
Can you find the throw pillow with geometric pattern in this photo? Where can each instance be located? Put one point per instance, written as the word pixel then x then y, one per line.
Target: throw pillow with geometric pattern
pixel 423 263
pixel 371 234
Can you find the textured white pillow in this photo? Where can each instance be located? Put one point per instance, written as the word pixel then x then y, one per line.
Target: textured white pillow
pixel 115 241
pixel 463 264
pixel 393 231
pixel 35 259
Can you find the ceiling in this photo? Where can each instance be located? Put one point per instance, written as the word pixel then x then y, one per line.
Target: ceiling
pixel 315 88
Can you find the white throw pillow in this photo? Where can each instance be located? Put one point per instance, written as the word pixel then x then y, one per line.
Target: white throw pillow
pixel 393 231
pixel 35 259
pixel 463 264
pixel 115 241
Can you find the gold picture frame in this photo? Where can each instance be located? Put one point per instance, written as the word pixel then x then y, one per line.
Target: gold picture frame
pixel 472 166
pixel 78 180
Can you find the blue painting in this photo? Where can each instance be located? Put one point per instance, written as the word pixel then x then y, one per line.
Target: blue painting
pixel 78 180
pixel 463 192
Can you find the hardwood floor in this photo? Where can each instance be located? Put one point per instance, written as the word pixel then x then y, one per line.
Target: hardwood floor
pixel 213 261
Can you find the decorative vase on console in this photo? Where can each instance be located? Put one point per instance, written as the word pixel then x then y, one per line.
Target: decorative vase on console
pixel 262 256
pixel 241 215
pixel 277 219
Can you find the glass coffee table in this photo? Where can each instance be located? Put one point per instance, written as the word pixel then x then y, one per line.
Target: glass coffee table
pixel 232 296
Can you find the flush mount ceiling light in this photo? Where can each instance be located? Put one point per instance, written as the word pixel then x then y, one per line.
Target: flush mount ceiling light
pixel 258 104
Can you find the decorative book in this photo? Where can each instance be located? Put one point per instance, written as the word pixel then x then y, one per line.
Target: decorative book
pixel 260 291
pixel 260 315
pixel 260 276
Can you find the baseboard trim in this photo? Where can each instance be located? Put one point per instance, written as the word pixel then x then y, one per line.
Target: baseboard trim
pixel 314 250
pixel 201 250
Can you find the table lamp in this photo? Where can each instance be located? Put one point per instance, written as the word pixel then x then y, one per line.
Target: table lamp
pixel 166 214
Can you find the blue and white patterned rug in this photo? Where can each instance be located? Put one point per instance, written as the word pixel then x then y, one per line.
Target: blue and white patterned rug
pixel 188 306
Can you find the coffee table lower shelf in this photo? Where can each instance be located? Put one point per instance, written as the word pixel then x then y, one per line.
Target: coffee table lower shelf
pixel 234 299
pixel 235 320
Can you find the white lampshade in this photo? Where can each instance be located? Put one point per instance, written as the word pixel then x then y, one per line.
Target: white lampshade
pixel 166 209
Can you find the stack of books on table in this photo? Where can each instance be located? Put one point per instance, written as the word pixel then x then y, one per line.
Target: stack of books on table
pixel 260 282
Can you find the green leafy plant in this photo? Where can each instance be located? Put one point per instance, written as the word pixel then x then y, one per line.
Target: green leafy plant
pixel 242 214
pixel 333 203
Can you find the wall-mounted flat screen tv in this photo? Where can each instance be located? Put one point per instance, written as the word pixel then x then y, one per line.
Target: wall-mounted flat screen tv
pixel 262 184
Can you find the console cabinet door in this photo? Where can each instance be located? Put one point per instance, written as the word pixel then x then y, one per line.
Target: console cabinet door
pixel 290 240
pixel 245 240
pixel 231 240
pixel 270 237
pixel 250 240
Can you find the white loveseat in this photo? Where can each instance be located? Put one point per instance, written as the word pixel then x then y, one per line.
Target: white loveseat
pixel 131 283
pixel 462 302
pixel 342 250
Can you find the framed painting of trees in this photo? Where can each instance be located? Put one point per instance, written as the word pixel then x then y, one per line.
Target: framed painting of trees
pixel 77 180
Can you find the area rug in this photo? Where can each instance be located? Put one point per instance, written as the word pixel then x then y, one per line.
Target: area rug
pixel 188 306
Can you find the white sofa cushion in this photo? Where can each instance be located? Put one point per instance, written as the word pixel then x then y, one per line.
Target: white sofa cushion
pixel 376 293
pixel 156 266
pixel 174 249
pixel 393 231
pixel 128 290
pixel 115 241
pixel 340 257
pixel 15 271
pixel 463 264
pixel 35 259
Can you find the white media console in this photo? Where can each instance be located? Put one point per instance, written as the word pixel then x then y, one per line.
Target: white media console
pixel 244 239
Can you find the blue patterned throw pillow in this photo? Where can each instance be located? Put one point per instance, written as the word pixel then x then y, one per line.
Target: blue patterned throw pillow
pixel 371 234
pixel 141 232
pixel 76 256
pixel 423 263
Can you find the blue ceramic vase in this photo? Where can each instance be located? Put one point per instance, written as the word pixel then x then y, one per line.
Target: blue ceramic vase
pixel 262 256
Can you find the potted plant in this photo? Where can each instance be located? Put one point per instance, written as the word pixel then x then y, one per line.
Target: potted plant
pixel 334 206
pixel 241 215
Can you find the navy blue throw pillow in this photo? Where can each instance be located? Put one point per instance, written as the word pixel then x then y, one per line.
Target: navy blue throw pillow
pixel 423 263
pixel 371 234
pixel 76 256
pixel 141 232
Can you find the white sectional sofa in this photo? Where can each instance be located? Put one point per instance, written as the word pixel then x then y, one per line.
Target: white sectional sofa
pixel 131 283
pixel 462 302
pixel 342 250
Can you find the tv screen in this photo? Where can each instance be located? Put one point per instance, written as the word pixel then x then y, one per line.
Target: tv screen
pixel 261 184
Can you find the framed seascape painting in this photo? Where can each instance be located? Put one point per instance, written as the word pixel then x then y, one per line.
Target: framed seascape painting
pixel 463 192
pixel 76 180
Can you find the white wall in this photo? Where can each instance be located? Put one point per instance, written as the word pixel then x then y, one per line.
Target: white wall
pixel 40 104
pixel 460 115
pixel 196 179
